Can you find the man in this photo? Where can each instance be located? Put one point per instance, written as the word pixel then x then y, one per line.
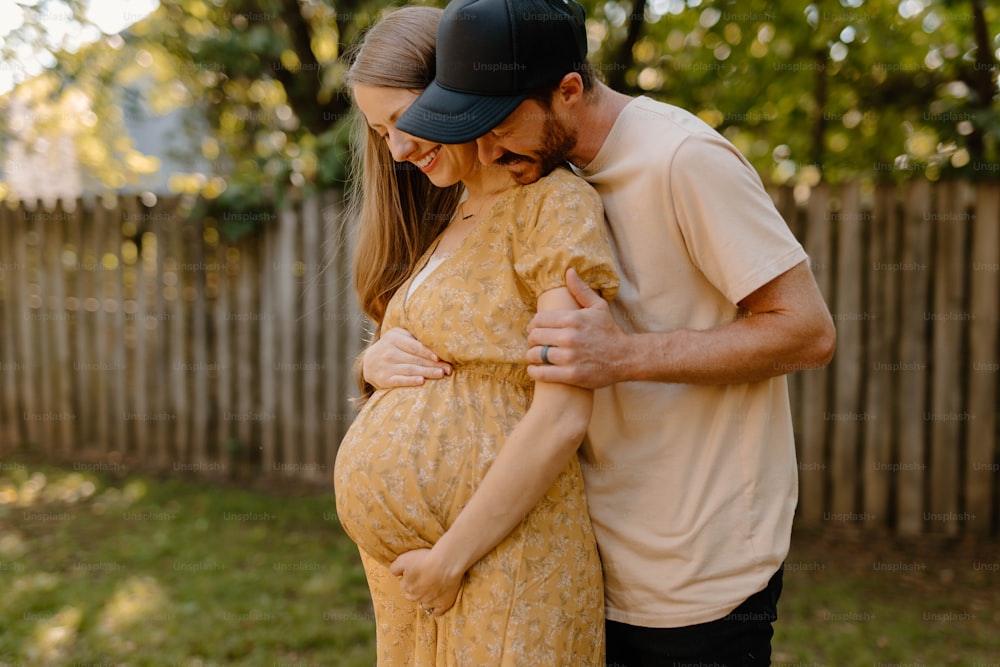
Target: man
pixel 689 460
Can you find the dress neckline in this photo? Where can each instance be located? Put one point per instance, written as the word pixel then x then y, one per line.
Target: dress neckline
pixel 448 259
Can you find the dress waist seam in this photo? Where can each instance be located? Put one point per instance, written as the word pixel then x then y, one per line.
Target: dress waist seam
pixel 510 373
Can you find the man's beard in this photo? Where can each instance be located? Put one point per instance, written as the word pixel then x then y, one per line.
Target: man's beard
pixel 557 143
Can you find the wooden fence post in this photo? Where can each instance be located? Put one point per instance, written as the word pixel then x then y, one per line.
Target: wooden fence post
pixel 101 323
pixel 268 394
pixel 983 460
pixel 197 362
pixel 10 361
pixel 160 403
pixel 311 324
pixel 915 264
pixel 812 456
pixel 334 347
pixel 136 315
pixel 27 341
pixel 948 323
pixel 247 320
pixel 41 316
pixel 226 356
pixel 847 410
pixel 115 337
pixel 173 278
pixel 879 469
pixel 287 371
pixel 85 280
pixel 62 368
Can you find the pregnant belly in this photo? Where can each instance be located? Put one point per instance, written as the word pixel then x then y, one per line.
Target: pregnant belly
pixel 415 455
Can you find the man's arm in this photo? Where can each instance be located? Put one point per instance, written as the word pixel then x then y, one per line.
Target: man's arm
pixel 787 327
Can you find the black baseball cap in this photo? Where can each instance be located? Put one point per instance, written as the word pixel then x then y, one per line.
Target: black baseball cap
pixel 490 55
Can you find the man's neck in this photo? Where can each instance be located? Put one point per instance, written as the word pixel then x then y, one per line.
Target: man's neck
pixel 593 122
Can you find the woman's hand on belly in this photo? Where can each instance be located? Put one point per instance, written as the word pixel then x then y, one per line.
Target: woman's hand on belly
pixel 398 359
pixel 427 580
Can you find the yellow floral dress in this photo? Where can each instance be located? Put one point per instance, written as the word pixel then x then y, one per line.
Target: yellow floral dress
pixel 415 455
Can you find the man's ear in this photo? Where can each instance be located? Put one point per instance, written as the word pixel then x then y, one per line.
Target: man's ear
pixel 570 90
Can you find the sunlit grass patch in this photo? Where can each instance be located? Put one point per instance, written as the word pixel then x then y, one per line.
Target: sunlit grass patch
pixel 141 571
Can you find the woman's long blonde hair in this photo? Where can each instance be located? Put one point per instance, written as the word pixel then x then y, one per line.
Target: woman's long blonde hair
pixel 399 211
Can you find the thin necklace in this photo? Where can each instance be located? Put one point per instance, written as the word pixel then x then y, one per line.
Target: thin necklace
pixel 487 198
pixel 478 211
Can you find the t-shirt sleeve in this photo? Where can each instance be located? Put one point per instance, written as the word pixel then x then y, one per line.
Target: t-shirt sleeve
pixel 564 228
pixel 732 230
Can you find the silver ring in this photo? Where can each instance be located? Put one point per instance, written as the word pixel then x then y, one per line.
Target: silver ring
pixel 545 355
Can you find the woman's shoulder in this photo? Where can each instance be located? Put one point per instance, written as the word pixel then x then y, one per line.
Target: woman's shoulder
pixel 559 182
pixel 560 178
pixel 557 197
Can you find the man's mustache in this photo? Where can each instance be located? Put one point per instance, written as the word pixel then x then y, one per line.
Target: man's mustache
pixel 508 158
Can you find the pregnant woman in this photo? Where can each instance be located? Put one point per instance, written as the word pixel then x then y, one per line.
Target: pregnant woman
pixel 474 475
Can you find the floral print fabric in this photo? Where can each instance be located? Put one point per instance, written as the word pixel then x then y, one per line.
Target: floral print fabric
pixel 415 455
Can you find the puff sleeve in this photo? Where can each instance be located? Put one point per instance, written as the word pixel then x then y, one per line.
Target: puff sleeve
pixel 561 226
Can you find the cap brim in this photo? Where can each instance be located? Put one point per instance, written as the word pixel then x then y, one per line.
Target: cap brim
pixel 451 117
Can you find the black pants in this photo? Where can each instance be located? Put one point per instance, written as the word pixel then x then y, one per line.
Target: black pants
pixel 740 639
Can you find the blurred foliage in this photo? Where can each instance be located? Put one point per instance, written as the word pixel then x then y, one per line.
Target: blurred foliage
pixel 260 83
pixel 877 88
pixel 882 89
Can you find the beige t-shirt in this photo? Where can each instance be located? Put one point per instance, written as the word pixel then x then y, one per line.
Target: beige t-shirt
pixel 691 488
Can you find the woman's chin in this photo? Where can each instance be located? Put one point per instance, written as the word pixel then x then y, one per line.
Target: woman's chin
pixel 442 180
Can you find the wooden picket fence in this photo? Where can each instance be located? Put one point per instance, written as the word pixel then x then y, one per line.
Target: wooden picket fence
pixel 139 335
pixel 901 429
pixel 135 335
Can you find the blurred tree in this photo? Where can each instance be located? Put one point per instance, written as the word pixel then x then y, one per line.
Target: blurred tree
pixel 260 80
pixel 268 77
pixel 51 112
pixel 832 89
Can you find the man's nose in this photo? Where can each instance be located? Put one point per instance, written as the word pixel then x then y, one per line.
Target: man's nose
pixel 489 150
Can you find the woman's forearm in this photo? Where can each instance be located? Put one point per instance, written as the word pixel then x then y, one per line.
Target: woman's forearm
pixel 525 468
pixel 536 451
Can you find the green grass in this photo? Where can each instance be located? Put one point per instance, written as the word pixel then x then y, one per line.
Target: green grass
pixel 99 569
pixel 862 598
pixel 137 571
